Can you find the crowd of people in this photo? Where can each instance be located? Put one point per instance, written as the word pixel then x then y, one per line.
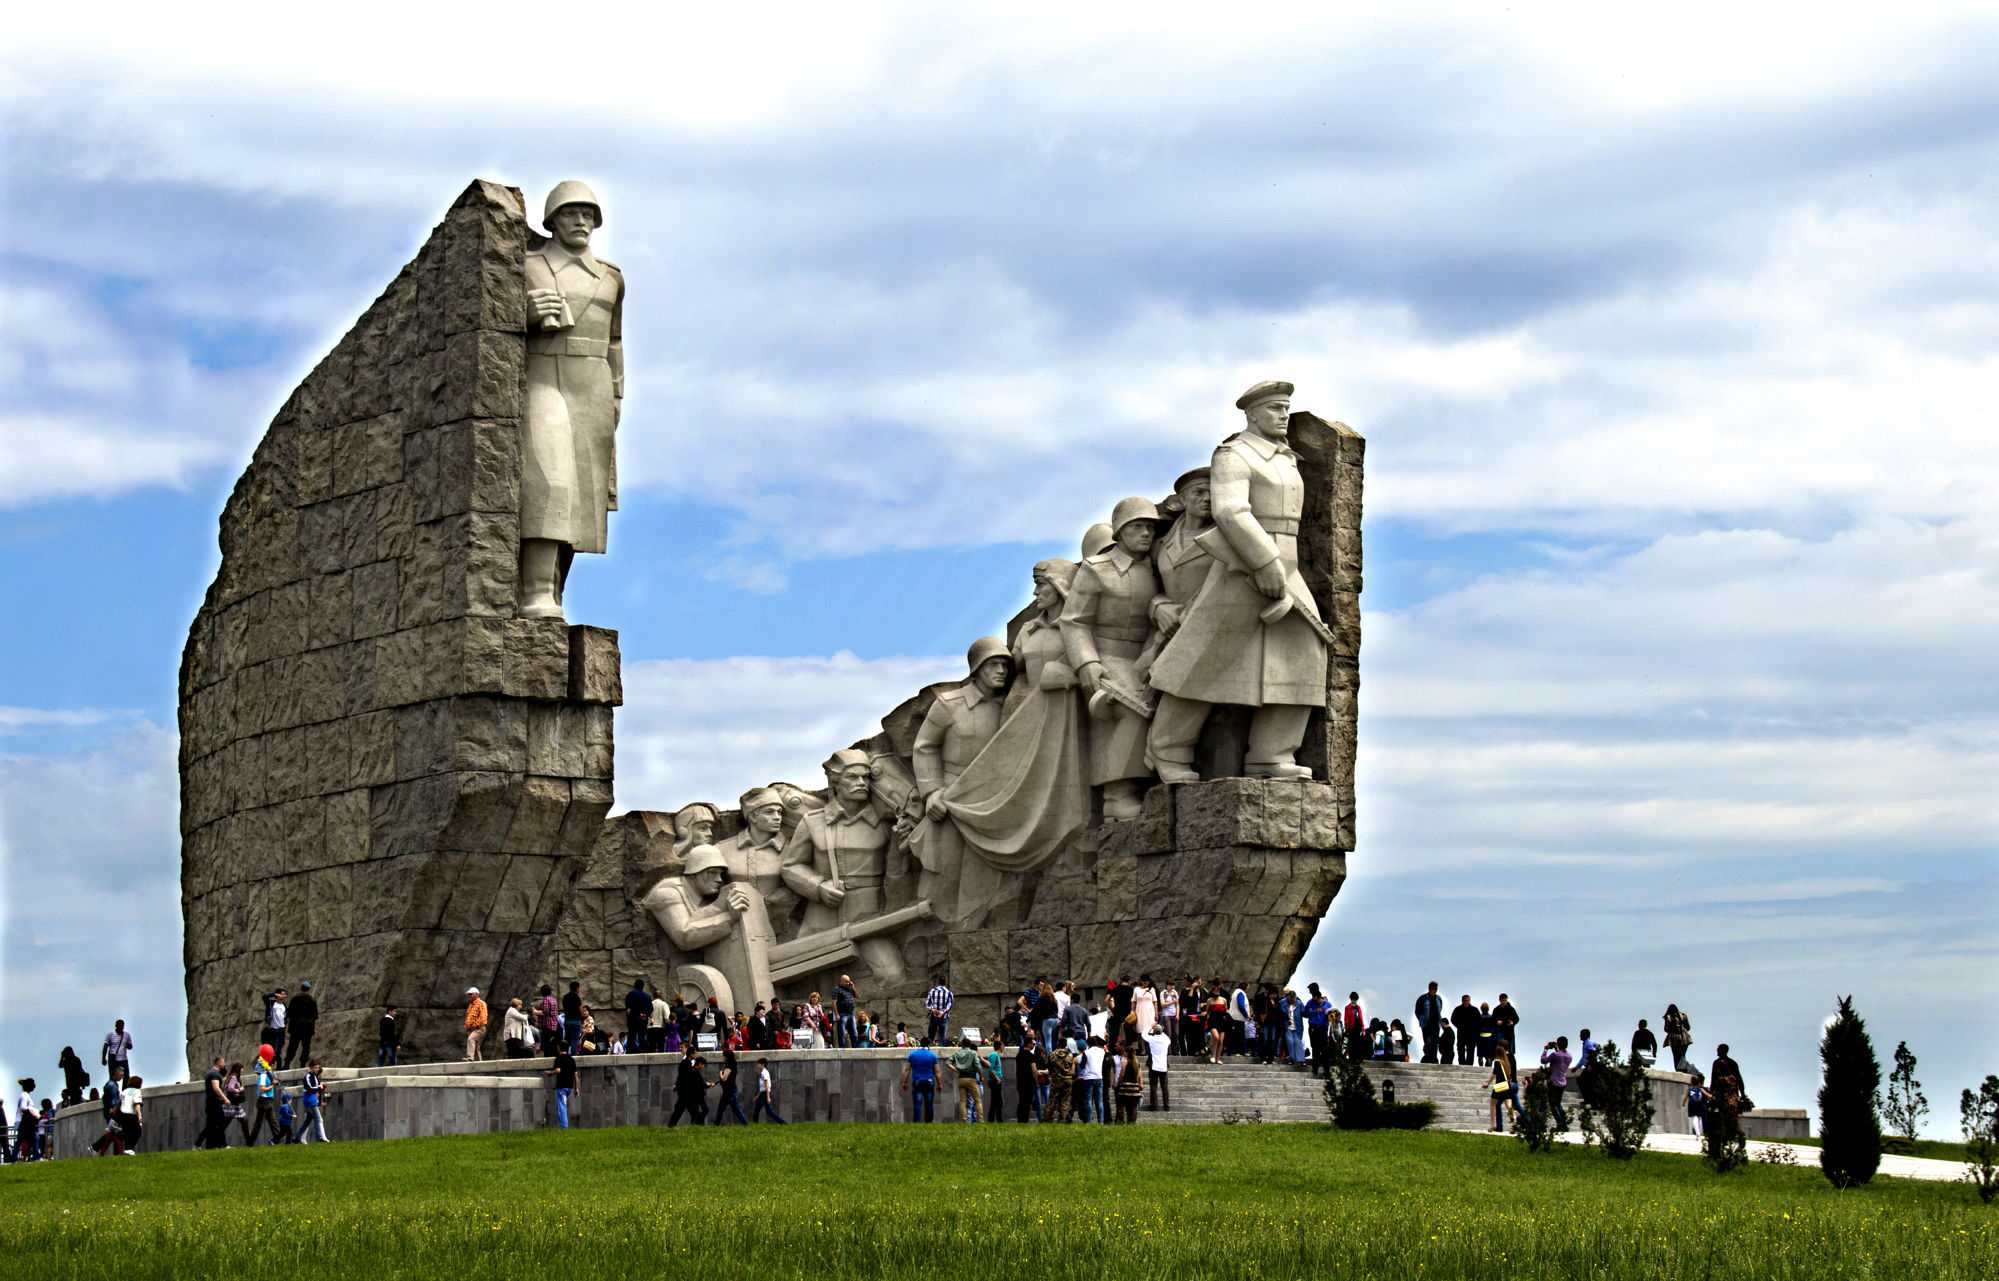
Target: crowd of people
pixel 1079 1055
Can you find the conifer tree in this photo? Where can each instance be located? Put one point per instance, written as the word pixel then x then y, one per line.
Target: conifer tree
pixel 1906 1106
pixel 1849 1116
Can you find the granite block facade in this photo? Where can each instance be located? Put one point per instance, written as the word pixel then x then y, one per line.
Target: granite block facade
pixel 388 781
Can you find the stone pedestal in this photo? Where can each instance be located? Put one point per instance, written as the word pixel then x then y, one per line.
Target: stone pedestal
pixel 388 781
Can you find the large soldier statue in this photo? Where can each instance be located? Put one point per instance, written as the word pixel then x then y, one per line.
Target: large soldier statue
pixel 575 381
pixel 1252 634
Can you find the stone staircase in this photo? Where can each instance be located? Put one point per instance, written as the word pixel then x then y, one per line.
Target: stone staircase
pixel 1205 1094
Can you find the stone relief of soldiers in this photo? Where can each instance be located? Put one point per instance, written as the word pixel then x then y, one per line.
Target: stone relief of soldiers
pixel 956 728
pixel 575 386
pixel 846 863
pixel 1113 675
pixel 756 855
pixel 1105 626
pixel 724 925
pixel 1252 635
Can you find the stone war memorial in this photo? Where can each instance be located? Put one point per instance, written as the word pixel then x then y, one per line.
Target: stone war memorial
pixel 397 762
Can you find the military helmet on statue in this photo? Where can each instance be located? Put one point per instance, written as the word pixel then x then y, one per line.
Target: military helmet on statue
pixel 1098 538
pixel 570 192
pixel 703 858
pixel 983 648
pixel 1131 509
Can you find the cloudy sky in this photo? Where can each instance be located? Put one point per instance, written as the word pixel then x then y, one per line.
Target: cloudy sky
pixel 1675 340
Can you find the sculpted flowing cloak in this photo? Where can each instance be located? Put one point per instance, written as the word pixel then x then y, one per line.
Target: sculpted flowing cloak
pixel 1023 795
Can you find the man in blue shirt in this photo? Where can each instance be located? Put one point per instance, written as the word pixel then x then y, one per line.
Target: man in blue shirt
pixel 1429 1016
pixel 1318 1013
pixel 919 1077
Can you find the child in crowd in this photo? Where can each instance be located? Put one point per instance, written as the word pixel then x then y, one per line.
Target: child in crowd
pixel 1696 1104
pixel 45 1133
pixel 285 1133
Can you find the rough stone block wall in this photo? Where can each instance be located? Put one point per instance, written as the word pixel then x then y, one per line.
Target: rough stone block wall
pixel 388 782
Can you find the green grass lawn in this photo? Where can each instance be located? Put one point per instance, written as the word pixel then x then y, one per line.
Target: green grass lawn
pixel 1007 1201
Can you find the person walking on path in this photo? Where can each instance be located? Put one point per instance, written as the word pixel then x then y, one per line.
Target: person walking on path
pixel 919 1077
pixel 1555 1057
pixel 214 1107
pixel 690 1091
pixel 1447 1043
pixel 24 1121
pixel 113 1138
pixel 1502 1090
pixel 75 1077
pixel 267 1098
pixel 564 1073
pixel 728 1079
pixel 1679 1031
pixel 475 1024
pixel 302 1020
pixel 117 1051
pixel 1430 1017
pixel 232 1089
pixel 939 1001
pixel 312 1096
pixel 765 1103
pixel 965 1064
pixel 388 1038
pixel 131 1117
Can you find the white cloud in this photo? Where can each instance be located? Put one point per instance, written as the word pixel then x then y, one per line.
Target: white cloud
pixel 710 730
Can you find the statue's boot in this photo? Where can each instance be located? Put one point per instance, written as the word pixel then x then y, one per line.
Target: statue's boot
pixel 540 558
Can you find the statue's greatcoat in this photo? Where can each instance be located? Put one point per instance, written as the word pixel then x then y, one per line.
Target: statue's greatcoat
pixel 575 378
pixel 1224 652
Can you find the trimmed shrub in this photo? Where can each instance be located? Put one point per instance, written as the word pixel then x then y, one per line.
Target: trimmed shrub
pixel 1617 1106
pixel 1978 1114
pixel 1535 1124
pixel 1849 1116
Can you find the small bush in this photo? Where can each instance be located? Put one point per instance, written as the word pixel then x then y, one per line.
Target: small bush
pixel 1722 1144
pixel 1617 1105
pixel 1350 1097
pixel 1978 1114
pixel 1414 1115
pixel 1849 1116
pixel 1535 1124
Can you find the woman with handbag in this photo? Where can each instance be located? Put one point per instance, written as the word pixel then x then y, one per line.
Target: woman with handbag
pixel 1502 1090
pixel 1679 1031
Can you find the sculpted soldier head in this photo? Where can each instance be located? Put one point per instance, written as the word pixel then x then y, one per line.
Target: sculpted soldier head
pixel 705 870
pixel 695 825
pixel 1192 489
pixel 1267 406
pixel 571 214
pixel 1051 582
pixel 1134 521
pixel 763 811
pixel 990 662
pixel 849 774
